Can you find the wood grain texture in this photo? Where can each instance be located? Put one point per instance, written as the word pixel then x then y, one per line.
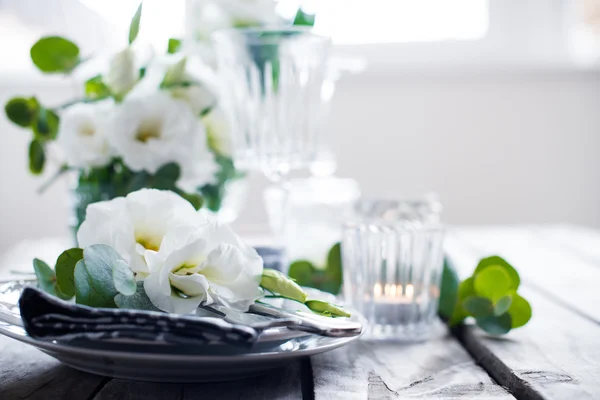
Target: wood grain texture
pixel 27 373
pixel 558 352
pixel 438 368
pixel 279 384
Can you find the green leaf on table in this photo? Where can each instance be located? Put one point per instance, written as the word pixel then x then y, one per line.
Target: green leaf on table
pixel 495 325
pixel 65 270
pixel 37 157
pixel 134 27
pixel 519 311
pixel 22 111
pixel 326 309
pixel 304 19
pixel 174 45
pixel 53 54
pixel 138 301
pixel 94 277
pixel 328 279
pixel 478 307
pixel 502 305
pixel 95 88
pixel 276 282
pixel 123 278
pixel 495 261
pixel 448 290
pixel 466 289
pixel 45 126
pixel 493 283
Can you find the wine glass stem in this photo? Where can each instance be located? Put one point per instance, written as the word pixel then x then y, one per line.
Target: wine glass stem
pixel 278 227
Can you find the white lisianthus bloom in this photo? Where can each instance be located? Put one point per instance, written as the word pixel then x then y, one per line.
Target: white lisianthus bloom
pixel 218 131
pixel 151 131
pixel 203 264
pixel 82 134
pixel 122 74
pixel 137 223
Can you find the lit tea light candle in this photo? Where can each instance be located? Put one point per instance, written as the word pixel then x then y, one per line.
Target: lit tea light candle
pixel 393 294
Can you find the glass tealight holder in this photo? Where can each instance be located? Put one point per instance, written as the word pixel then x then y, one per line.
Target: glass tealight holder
pixel 393 262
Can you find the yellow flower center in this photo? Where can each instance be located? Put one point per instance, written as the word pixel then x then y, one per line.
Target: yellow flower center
pixel 148 130
pixel 148 243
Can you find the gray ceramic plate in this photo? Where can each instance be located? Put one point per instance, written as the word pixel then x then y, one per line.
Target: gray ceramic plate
pixel 167 363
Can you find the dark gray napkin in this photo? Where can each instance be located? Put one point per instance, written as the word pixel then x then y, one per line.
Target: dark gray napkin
pixel 49 318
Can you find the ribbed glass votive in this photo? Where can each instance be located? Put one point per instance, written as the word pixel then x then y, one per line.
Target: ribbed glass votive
pixel 392 270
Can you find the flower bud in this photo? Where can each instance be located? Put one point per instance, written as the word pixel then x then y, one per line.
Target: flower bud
pixel 324 308
pixel 278 283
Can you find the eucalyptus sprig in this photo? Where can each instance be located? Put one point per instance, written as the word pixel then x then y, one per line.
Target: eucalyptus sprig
pixel 489 296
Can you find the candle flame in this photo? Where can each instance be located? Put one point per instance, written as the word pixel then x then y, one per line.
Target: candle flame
pixel 393 291
pixel 377 290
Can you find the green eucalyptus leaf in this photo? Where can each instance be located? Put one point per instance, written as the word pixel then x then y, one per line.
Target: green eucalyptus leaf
pixel 166 176
pixel 47 279
pixel 466 289
pixel 278 283
pixel 45 126
pixel 54 54
pixel 123 278
pixel 45 276
pixel 493 283
pixel 302 272
pixel 94 277
pixel 65 270
pixel 499 261
pixel 478 307
pixel 195 199
pixel 22 111
pixel 138 301
pixel 326 309
pixel 519 311
pixel 495 325
pixel 95 88
pixel 304 19
pixel 448 291
pixel 174 45
pixel 134 27
pixel 37 157
pixel 502 305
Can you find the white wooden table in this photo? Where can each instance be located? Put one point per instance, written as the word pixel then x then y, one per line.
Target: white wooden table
pixel 555 356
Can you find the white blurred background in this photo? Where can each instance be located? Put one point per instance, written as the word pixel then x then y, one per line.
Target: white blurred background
pixel 493 104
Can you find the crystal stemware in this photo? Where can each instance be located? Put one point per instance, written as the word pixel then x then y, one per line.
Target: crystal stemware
pixel 272 81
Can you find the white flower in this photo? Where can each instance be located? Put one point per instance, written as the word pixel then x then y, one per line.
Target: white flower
pixel 250 12
pixel 203 264
pixel 151 131
pixel 218 131
pixel 82 134
pixel 122 74
pixel 136 223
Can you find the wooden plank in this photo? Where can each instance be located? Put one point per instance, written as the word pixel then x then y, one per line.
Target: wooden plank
pixel 580 241
pixel 438 368
pixel 542 264
pixel 27 373
pixel 558 352
pixel 283 383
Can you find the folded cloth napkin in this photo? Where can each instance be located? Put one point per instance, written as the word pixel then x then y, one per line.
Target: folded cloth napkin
pixel 49 318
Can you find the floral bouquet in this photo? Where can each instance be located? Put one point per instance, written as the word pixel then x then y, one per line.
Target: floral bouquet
pixel 152 251
pixel 144 122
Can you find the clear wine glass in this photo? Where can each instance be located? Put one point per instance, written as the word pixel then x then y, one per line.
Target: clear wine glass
pixel 272 81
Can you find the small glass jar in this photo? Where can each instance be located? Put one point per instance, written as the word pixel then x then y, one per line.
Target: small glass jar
pixel 393 262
